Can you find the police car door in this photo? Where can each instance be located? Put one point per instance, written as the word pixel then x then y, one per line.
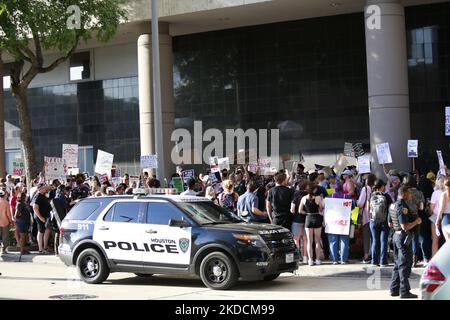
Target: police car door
pixel 168 246
pixel 119 230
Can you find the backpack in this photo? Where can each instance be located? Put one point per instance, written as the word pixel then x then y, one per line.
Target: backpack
pixel 228 201
pixel 378 207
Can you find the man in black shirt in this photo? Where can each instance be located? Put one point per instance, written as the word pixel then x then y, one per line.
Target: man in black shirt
pixel 279 202
pixel 42 208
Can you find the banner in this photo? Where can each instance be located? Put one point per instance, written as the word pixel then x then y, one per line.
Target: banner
pixel 149 161
pixel 337 216
pixel 18 167
pixel 104 162
pixel 54 168
pixel 447 121
pixel 413 148
pixel 188 174
pixel 384 153
pixel 70 155
pixel 364 164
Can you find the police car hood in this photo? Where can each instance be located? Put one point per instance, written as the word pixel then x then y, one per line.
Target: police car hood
pixel 256 228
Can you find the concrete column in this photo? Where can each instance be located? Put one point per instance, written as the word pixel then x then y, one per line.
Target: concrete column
pixel 387 77
pixel 146 114
pixel 2 123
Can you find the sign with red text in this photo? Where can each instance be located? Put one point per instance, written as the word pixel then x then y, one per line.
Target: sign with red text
pixel 337 216
pixel 70 155
pixel 55 168
pixel 18 167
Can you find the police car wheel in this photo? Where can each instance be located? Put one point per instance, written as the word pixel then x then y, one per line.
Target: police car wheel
pixel 271 277
pixel 144 275
pixel 218 271
pixel 92 266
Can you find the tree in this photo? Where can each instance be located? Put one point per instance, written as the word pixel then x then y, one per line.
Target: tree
pixel 28 28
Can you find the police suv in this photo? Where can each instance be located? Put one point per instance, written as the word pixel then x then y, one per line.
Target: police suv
pixel 172 234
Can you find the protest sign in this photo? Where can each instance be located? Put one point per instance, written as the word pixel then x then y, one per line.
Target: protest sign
pixel 337 216
pixel 134 181
pixel 413 148
pixel 441 162
pixel 447 121
pixel 149 161
pixel 70 155
pixel 188 174
pixel 224 163
pixel 264 166
pixel 340 164
pixel 364 164
pixel 253 167
pixel 214 163
pixel 103 178
pixel 73 171
pixel 115 181
pixel 383 153
pixel 18 167
pixel 178 184
pixel 104 162
pixel 358 149
pixel 54 168
pixel 348 150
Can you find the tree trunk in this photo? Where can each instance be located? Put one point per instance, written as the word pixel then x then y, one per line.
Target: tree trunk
pixel 26 135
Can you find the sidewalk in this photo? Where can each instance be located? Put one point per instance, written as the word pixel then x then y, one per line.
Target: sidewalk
pixel 354 269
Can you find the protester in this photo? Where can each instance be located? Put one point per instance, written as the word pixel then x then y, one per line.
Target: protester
pixel 191 186
pixel 298 223
pixel 363 204
pixel 279 201
pixel 311 205
pixel 22 218
pixel 228 198
pixel 95 185
pixel 42 208
pixel 247 206
pixel 6 220
pixel 379 207
pixel 211 194
pixel 349 185
pixel 434 208
pixel 443 218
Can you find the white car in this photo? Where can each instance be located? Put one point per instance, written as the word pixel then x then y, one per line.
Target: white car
pixel 435 284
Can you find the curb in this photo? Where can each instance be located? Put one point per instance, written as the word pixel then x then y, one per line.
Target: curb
pixel 30 258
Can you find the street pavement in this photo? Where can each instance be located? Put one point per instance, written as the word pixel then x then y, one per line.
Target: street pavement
pixel 45 277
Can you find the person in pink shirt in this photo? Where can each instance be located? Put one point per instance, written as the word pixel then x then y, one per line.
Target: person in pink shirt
pixel 13 203
pixel 5 220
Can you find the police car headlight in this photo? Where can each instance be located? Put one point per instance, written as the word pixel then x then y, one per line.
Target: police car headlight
pixel 249 239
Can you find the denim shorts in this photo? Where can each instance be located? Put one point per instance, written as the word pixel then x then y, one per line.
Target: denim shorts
pixel 445 219
pixel 22 226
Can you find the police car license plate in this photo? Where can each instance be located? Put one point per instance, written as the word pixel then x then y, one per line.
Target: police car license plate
pixel 289 258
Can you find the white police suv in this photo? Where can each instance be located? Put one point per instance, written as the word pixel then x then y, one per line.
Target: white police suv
pixel 171 234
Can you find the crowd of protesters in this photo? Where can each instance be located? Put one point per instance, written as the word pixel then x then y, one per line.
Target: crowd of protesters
pixel 293 200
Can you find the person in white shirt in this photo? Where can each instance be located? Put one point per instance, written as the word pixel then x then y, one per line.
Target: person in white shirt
pixel 190 191
pixel 434 207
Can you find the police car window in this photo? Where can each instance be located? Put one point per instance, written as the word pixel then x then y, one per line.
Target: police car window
pixel 162 212
pixel 206 212
pixel 126 212
pixel 108 216
pixel 82 210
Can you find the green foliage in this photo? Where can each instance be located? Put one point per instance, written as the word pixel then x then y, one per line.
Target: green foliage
pixel 45 21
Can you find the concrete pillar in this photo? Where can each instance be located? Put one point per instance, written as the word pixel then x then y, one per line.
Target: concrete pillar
pixel 387 77
pixel 146 114
pixel 2 123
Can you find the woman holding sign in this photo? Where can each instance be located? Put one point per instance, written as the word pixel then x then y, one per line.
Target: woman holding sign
pixel 312 206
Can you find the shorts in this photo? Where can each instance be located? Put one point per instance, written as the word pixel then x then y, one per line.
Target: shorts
pixel 23 226
pixel 445 220
pixel 40 224
pixel 314 221
pixel 298 229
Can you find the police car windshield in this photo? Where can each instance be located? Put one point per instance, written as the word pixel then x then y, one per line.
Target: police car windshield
pixel 205 212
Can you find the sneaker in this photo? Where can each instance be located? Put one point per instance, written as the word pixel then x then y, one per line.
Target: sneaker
pixel 334 263
pixel 384 265
pixel 343 262
pixel 305 260
pixel 318 262
pixel 409 295
pixel 310 262
pixel 395 294
pixel 367 261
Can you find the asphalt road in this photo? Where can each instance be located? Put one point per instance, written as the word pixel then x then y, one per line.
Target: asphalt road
pixel 47 278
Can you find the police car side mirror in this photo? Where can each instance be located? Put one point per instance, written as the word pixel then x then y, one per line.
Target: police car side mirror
pixel 179 223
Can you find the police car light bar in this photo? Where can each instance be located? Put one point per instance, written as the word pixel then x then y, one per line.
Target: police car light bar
pixel 147 191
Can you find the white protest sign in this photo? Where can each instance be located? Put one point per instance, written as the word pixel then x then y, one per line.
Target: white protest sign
pixel 214 163
pixel 115 181
pixel 54 168
pixel 104 162
pixel 134 181
pixel 348 150
pixel 264 166
pixel 413 148
pixel 447 121
pixel 441 162
pixel 364 164
pixel 340 164
pixel 384 153
pixel 70 154
pixel 224 163
pixel 73 171
pixel 149 161
pixel 337 216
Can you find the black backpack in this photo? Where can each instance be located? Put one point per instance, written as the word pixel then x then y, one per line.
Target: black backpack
pixel 378 207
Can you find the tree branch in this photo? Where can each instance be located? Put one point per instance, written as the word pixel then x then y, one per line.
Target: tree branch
pixel 38 47
pixel 60 60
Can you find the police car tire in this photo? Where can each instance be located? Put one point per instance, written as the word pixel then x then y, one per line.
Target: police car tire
pixel 271 277
pixel 227 264
pixel 103 269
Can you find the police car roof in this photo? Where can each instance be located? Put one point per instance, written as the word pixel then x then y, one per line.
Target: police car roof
pixel 176 198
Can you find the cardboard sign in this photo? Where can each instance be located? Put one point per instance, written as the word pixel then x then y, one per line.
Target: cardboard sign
pixel 348 150
pixel 178 184
pixel 264 166
pixel 70 155
pixel 384 153
pixel 104 162
pixel 115 181
pixel 18 167
pixel 149 161
pixel 224 163
pixel 441 162
pixel 54 168
pixel 413 148
pixel 188 174
pixel 358 149
pixel 214 163
pixel 364 164
pixel 103 178
pixel 340 164
pixel 252 167
pixel 447 121
pixel 337 216
pixel 73 171
pixel 134 181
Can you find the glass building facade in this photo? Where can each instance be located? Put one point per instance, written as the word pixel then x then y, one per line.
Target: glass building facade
pixel 308 78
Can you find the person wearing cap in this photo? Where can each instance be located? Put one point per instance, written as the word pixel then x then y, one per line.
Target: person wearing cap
pixel 41 209
pixel 5 220
pixel 349 186
pixel 110 191
pixel 363 204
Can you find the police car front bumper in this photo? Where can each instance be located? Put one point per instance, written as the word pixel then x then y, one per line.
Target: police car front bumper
pixel 65 254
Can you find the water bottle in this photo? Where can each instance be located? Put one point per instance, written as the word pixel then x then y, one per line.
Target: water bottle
pixel 438 233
